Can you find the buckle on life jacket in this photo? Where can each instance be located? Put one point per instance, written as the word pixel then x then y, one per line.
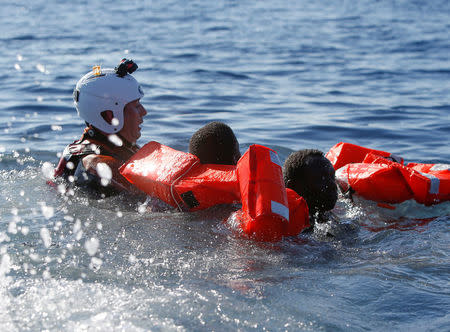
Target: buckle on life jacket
pixel 189 199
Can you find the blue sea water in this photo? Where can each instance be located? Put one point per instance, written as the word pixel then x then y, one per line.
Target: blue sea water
pixel 285 74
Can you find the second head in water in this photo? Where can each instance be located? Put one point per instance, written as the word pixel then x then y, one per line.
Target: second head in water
pixel 311 175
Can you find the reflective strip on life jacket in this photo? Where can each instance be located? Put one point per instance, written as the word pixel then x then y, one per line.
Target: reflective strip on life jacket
pixel 440 167
pixel 434 183
pixel 280 209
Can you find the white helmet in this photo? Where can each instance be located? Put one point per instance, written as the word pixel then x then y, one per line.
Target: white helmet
pixel 102 90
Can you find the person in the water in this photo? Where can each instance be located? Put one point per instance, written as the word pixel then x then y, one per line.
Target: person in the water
pixel 109 102
pixel 215 143
pixel 311 175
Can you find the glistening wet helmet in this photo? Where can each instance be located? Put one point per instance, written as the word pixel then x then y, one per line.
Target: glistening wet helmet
pixel 106 90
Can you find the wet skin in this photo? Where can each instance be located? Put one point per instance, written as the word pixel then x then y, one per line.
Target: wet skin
pixel 132 117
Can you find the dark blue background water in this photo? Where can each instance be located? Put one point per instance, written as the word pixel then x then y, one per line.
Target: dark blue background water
pixel 286 74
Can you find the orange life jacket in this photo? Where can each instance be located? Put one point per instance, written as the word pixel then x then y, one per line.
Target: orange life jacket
pixel 269 211
pixel 298 213
pixel 263 195
pixel 345 153
pixel 374 177
pixel 179 179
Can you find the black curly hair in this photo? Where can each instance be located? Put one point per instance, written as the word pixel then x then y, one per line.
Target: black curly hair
pixel 311 175
pixel 297 164
pixel 215 143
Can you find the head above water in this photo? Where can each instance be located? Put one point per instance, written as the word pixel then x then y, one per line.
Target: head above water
pixel 215 143
pixel 102 96
pixel 311 175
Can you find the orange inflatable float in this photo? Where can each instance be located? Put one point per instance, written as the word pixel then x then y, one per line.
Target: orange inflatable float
pixel 382 177
pixel 268 212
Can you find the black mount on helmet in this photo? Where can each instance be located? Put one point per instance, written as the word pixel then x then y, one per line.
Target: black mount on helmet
pixel 125 67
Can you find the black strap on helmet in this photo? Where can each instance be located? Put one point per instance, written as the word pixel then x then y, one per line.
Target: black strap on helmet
pixel 125 67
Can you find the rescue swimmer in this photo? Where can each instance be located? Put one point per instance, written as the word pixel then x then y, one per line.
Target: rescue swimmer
pixel 109 102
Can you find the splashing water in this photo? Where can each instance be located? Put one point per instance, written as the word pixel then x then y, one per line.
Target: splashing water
pixel 105 173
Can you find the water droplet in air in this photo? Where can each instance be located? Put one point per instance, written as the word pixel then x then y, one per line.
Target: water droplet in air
pixel 46 275
pixel 47 170
pixel 12 228
pixel 61 188
pixel 70 165
pixel 25 230
pixel 45 235
pixel 76 226
pixel 142 208
pixel 132 259
pixel 5 264
pixel 115 140
pixel 91 246
pixel 47 211
pixel 105 173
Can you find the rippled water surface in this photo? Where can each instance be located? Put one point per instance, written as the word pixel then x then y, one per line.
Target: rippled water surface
pixel 286 74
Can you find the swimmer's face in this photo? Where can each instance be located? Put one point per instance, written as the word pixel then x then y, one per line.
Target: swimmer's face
pixel 133 114
pixel 319 187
